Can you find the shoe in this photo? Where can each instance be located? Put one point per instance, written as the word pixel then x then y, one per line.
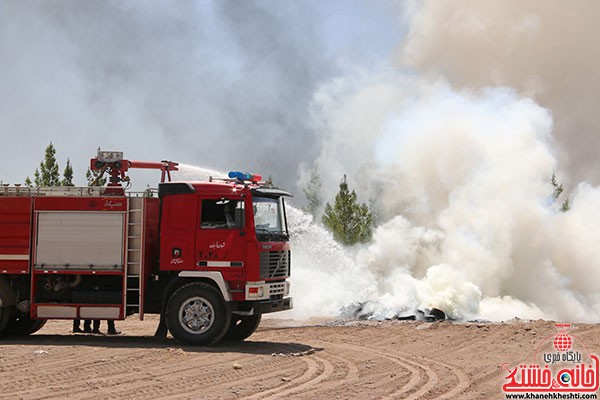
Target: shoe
pixel 77 330
pixel 96 331
pixel 87 330
pixel 113 332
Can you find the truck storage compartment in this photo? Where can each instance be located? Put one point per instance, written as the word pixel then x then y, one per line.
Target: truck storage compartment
pixel 78 289
pixel 79 240
pixel 15 229
pixel 95 297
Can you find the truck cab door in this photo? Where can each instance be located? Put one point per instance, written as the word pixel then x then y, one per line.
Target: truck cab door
pixel 220 241
pixel 178 232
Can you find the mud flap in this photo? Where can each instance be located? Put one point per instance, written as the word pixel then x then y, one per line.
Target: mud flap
pixel 8 296
pixel 161 329
pixel 8 300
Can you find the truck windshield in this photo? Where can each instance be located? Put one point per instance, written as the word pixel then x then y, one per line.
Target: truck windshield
pixel 269 219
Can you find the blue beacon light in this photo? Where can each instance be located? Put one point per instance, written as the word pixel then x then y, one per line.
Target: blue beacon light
pixel 242 176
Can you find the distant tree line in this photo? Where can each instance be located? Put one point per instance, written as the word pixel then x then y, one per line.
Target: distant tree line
pixel 48 172
pixel 352 222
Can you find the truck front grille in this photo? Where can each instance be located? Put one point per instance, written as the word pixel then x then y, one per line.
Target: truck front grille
pixel 274 264
pixel 277 289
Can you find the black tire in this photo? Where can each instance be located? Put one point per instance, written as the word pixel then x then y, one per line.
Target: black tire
pixel 22 325
pixel 5 313
pixel 197 315
pixel 242 326
pixel 4 318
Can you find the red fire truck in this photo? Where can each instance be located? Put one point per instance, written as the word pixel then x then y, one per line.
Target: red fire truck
pixel 209 257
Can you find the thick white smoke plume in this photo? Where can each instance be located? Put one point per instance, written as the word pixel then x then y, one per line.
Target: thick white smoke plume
pixel 545 50
pixel 458 166
pixel 462 183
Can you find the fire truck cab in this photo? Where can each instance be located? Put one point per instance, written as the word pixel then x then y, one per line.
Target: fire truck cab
pixel 209 257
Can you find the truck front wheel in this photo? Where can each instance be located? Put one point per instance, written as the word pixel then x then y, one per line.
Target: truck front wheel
pixel 197 315
pixel 242 326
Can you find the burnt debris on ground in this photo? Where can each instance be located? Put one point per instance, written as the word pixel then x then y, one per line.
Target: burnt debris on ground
pixel 369 310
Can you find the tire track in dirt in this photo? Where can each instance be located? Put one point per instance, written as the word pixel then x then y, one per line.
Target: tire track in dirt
pixel 199 378
pixel 433 378
pixel 437 372
pixel 68 371
pixel 60 365
pixel 127 367
pixel 251 372
pixel 342 372
pixel 380 376
pixel 414 370
pixel 422 371
pixel 318 370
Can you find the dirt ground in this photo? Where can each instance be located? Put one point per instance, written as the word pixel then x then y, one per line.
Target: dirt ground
pixel 284 359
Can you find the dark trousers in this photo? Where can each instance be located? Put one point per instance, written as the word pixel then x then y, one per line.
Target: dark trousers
pixel 87 325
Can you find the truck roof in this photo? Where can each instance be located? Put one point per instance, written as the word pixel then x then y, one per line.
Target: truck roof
pixel 218 187
pixel 221 188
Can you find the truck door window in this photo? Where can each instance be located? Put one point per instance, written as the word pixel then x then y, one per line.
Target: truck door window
pixel 222 214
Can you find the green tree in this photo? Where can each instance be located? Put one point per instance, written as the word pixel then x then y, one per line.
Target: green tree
pixel 95 178
pixel 348 220
pixel 312 191
pixel 558 189
pixel 48 174
pixel 68 175
pixel 566 206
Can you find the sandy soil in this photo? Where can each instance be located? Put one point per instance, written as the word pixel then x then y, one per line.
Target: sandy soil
pixel 284 359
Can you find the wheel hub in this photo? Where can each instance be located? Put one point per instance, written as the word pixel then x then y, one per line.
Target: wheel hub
pixel 196 315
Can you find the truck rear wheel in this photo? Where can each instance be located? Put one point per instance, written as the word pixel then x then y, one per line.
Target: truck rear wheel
pixel 197 314
pixel 22 325
pixel 4 318
pixel 242 326
pixel 5 312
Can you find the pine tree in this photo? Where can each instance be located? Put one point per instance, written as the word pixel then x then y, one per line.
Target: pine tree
pixel 48 174
pixel 94 178
pixel 36 178
pixel 349 221
pixel 558 189
pixel 312 191
pixel 68 175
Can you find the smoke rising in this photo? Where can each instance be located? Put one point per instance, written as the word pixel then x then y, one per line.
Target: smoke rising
pixel 461 181
pixel 219 83
pixel 454 147
pixel 547 52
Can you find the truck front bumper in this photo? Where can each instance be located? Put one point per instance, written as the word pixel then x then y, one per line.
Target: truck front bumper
pixel 269 306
